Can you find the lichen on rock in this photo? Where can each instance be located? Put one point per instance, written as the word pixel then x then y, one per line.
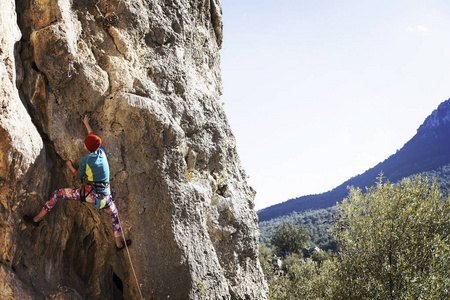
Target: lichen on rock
pixel 148 74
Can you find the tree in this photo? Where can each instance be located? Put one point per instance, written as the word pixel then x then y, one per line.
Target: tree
pixel 394 242
pixel 309 280
pixel 290 238
pixel 265 256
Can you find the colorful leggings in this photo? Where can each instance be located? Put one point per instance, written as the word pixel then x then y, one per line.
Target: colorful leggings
pixel 74 194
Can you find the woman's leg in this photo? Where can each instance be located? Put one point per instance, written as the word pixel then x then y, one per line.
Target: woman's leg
pixel 117 231
pixel 67 193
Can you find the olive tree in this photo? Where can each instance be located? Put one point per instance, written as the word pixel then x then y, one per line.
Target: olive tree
pixel 393 242
pixel 290 238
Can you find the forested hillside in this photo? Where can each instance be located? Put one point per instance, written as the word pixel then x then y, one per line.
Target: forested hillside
pixel 381 234
pixel 427 151
pixel 312 220
pixel 316 221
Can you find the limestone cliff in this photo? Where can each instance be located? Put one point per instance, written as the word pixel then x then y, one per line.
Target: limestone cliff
pixel 148 74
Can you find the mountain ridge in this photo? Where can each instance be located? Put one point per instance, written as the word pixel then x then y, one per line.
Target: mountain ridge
pixel 427 150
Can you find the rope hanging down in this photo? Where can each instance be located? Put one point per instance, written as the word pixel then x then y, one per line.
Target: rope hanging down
pixel 129 257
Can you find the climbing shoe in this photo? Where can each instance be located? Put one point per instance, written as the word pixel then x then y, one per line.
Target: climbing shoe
pixel 122 245
pixel 29 219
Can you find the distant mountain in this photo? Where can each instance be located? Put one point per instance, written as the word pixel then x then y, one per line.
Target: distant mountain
pixel 428 150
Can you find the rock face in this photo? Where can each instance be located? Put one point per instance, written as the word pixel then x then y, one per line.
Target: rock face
pixel 148 74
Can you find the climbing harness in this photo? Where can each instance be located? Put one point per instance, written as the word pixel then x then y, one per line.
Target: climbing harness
pixel 100 201
pixel 129 257
pixel 69 72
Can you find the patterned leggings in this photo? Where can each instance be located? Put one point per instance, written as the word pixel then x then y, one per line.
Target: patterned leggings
pixel 74 194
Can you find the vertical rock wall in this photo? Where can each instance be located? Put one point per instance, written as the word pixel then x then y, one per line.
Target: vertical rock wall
pixel 148 74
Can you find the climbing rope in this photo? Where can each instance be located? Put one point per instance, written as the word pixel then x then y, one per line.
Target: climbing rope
pixel 69 72
pixel 129 257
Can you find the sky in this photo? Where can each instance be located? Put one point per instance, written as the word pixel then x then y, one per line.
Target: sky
pixel 319 91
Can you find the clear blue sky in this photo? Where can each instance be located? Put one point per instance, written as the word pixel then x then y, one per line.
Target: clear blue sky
pixel 319 91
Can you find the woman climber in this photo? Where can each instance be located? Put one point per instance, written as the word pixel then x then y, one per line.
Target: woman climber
pixel 97 191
